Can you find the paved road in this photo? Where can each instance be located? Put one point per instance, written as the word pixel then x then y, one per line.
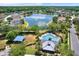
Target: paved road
pixel 74 40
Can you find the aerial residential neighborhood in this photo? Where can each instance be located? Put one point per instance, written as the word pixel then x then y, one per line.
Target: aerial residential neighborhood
pixel 39 30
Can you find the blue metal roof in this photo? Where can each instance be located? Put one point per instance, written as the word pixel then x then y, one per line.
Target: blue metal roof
pixel 38 19
pixel 19 38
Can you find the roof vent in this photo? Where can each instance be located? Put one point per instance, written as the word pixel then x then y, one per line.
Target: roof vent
pixel 50 39
pixel 48 44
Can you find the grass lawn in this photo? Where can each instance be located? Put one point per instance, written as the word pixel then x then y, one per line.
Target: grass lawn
pixel 42 31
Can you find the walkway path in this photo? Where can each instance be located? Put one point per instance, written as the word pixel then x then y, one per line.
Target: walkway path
pixel 5 52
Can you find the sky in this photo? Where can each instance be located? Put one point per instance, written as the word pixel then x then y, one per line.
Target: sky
pixel 39 4
pixel 39 1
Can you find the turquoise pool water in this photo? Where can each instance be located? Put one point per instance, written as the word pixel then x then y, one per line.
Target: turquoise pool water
pixel 50 37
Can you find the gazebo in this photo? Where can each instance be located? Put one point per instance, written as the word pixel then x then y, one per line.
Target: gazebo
pixel 48 46
pixel 49 41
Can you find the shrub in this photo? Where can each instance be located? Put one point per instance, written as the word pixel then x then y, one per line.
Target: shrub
pixel 11 35
pixel 30 50
pixel 38 53
pixel 18 50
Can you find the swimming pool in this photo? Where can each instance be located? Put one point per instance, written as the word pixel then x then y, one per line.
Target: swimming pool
pixel 38 19
pixel 50 37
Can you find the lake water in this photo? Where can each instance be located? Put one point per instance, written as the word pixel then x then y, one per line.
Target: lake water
pixel 38 19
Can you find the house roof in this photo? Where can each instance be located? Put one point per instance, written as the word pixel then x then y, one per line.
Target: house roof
pixel 19 38
pixel 48 45
pixel 2 15
pixel 47 36
pixel 61 18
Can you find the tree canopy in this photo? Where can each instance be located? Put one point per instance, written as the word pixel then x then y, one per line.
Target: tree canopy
pixel 11 35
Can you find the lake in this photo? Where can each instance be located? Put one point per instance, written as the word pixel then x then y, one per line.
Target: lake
pixel 38 19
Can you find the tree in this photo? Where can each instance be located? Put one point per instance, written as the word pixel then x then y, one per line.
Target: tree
pixel 38 53
pixel 9 19
pixel 63 49
pixel 68 19
pixel 54 27
pixel 21 27
pixel 22 21
pixel 5 27
pixel 35 28
pixel 18 50
pixel 11 35
pixel 55 19
pixel 76 22
pixel 38 45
